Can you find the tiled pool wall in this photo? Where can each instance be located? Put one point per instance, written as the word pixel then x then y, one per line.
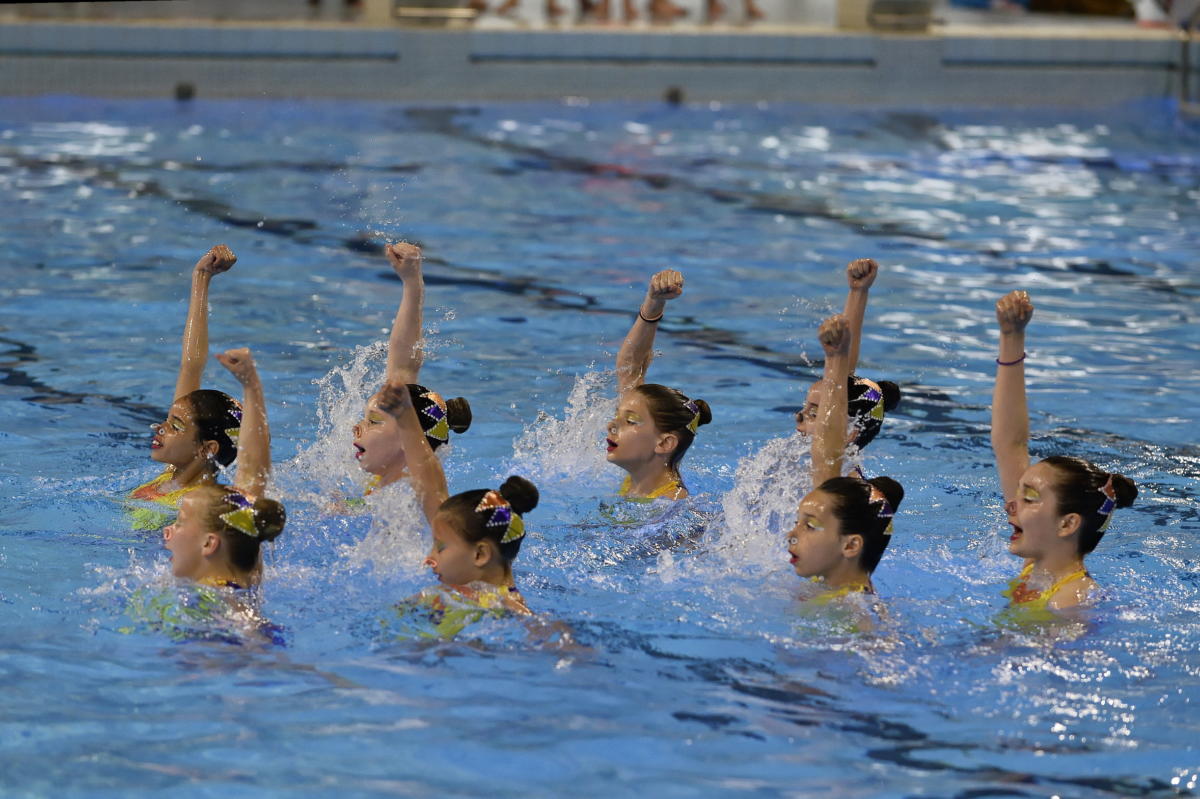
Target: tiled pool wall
pixel 986 66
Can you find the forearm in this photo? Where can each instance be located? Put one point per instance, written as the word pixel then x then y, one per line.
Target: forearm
pixel 194 354
pixel 404 345
pixel 855 312
pixel 254 441
pixel 424 468
pixel 633 359
pixel 829 436
pixel 1010 413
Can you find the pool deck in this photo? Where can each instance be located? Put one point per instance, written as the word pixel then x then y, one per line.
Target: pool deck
pixel 1061 63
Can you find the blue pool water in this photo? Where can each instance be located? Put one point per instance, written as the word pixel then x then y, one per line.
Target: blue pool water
pixel 699 673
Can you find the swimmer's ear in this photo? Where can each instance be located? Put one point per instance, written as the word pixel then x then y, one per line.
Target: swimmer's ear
pixel 667 442
pixel 1069 525
pixel 483 553
pixel 852 546
pixel 209 449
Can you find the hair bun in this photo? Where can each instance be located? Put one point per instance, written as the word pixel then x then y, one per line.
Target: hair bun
pixel 890 488
pixel 520 493
pixel 458 414
pixel 891 394
pixel 705 411
pixel 269 518
pixel 1125 490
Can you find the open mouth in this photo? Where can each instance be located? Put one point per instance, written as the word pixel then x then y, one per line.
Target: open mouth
pixel 610 444
pixel 1016 533
pixel 358 452
pixel 155 443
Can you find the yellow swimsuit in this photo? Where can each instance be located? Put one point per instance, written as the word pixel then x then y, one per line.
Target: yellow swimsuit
pixel 1027 599
pixel 668 489
pixel 450 609
pixel 154 518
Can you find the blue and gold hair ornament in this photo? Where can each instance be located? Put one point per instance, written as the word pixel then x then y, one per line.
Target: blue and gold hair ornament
pixel 1109 503
pixel 875 397
pixel 235 432
pixel 694 424
pixel 885 508
pixel 499 515
pixel 241 518
pixel 435 423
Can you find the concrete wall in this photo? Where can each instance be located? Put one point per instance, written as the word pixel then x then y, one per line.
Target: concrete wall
pixel 985 67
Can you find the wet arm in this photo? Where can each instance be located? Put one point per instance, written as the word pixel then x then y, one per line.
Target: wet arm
pixel 860 274
pixel 633 359
pixel 424 468
pixel 194 354
pixel 405 355
pixel 1010 412
pixel 829 436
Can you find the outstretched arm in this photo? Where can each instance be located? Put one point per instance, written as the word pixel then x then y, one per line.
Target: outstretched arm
pixel 404 346
pixel 829 438
pixel 860 274
pixel 633 359
pixel 195 330
pixel 254 438
pixel 428 479
pixel 1010 413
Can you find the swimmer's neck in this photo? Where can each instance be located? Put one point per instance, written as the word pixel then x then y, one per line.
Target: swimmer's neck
pixel 645 480
pixel 1057 565
pixel 847 574
pixel 393 474
pixel 221 574
pixel 198 471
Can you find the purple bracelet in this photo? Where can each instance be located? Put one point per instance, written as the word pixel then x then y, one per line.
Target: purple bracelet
pixel 1012 363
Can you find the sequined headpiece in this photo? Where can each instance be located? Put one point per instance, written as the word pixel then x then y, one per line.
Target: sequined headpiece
pixel 499 515
pixel 1109 503
pixel 432 413
pixel 241 518
pixel 694 424
pixel 235 432
pixel 885 508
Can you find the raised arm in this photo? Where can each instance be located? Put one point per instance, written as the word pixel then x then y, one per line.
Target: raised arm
pixel 425 470
pixel 829 437
pixel 254 438
pixel 195 330
pixel 404 344
pixel 633 359
pixel 860 274
pixel 1010 413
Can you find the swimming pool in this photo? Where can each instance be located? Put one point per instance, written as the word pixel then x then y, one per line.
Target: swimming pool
pixel 701 675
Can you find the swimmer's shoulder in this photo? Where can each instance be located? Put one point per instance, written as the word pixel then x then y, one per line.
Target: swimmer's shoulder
pixel 1073 594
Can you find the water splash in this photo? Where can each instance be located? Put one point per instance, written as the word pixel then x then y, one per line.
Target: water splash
pixel 761 506
pixel 567 450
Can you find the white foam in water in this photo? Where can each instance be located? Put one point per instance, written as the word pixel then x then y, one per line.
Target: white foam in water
pixel 761 506
pixel 552 450
pixel 325 471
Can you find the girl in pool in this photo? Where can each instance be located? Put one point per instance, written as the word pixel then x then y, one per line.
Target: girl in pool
pixel 476 534
pixel 867 400
pixel 654 425
pixel 200 433
pixel 377 439
pixel 216 539
pixel 1059 507
pixel 843 525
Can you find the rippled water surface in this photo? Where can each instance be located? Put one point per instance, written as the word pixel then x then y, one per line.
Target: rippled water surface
pixel 698 670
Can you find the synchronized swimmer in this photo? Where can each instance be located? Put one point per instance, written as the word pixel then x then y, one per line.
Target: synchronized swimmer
pixel 1058 508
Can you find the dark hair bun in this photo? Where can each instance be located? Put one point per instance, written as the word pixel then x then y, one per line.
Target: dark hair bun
pixel 705 411
pixel 269 518
pixel 458 414
pixel 1125 490
pixel 891 394
pixel 520 493
pixel 890 488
